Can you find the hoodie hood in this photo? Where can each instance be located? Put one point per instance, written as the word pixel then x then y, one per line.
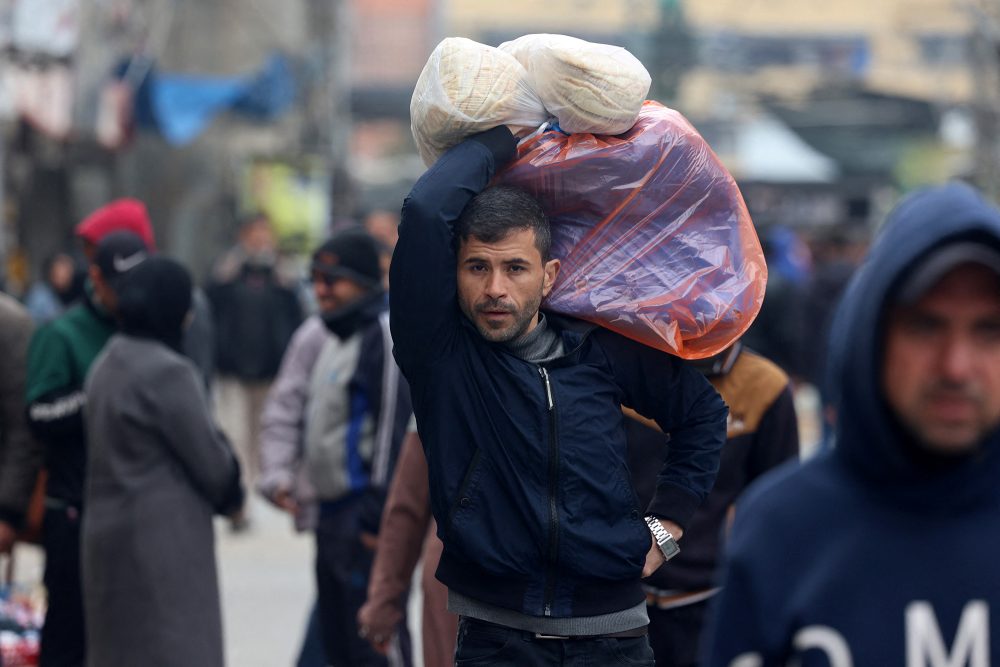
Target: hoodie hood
pixel 869 439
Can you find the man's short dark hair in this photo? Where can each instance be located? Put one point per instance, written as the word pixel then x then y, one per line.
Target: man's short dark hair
pixel 497 211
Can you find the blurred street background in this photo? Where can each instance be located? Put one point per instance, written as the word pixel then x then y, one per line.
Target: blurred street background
pixel 210 110
pixel 206 110
pixel 266 584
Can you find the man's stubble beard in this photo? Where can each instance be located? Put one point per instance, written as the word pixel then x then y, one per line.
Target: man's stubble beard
pixel 940 440
pixel 522 320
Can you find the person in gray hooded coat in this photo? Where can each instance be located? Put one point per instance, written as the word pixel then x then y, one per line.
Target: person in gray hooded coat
pixel 158 470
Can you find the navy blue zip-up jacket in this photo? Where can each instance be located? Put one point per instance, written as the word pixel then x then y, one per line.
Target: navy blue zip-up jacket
pixel 861 556
pixel 528 475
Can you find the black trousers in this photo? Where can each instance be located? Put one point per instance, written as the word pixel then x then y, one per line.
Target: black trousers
pixel 343 566
pixel 63 641
pixel 675 634
pixel 487 645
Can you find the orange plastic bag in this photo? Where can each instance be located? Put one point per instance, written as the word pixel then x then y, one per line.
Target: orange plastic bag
pixel 655 240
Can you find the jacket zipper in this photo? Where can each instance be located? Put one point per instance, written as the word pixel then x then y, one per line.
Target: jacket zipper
pixel 550 585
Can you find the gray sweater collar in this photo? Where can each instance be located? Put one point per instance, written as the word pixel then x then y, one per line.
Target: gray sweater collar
pixel 539 345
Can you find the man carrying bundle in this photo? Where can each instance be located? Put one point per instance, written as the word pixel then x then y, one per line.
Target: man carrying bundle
pixel 520 415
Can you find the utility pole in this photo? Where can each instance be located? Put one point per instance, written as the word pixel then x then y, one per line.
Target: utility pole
pixel 986 104
pixel 331 21
pixel 671 51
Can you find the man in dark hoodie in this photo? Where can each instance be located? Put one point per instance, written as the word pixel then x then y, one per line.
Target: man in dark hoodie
pixel 883 551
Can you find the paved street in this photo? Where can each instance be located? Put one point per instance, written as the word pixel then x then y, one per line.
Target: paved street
pixel 266 582
pixel 266 586
pixel 267 589
pixel 266 575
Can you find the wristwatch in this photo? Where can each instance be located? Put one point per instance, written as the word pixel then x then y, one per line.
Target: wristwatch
pixel 664 540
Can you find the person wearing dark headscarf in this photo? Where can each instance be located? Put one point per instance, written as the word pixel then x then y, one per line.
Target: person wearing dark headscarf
pixel 158 470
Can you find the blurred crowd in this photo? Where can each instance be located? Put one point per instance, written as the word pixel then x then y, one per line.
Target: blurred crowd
pixel 111 322
pixel 138 404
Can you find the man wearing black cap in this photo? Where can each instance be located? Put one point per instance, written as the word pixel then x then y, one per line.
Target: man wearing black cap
pixel 331 431
pixel 116 255
pixel 883 551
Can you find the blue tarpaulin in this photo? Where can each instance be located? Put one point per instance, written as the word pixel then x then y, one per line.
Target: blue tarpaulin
pixel 181 106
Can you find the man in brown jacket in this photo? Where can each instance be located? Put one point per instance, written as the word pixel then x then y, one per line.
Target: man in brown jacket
pixel 20 453
pixel 408 531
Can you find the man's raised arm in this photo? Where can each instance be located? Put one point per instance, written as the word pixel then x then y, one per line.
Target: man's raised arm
pixel 422 295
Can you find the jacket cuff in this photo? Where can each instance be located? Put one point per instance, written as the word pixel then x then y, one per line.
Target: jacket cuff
pixel 13 517
pixel 272 481
pixel 673 503
pixel 500 142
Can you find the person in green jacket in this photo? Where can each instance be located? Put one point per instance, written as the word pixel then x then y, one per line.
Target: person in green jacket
pixel 59 357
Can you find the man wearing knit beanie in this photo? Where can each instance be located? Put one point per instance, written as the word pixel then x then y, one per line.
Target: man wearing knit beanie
pixel 331 432
pixel 348 266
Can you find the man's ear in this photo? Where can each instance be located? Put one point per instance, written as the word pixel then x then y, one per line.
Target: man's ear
pixel 551 269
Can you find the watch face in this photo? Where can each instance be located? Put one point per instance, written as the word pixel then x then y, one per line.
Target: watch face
pixel 664 540
pixel 669 548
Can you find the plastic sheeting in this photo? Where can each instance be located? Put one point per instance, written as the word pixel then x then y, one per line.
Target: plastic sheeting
pixel 655 240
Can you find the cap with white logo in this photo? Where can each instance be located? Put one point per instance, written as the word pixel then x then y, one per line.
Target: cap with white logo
pixel 120 252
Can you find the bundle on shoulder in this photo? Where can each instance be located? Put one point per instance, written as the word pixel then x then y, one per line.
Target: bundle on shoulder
pixel 588 87
pixel 467 87
pixel 655 239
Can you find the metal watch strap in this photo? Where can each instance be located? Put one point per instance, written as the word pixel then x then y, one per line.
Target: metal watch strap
pixel 664 540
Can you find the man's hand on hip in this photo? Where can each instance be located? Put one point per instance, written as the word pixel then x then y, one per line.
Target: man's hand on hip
pixel 654 557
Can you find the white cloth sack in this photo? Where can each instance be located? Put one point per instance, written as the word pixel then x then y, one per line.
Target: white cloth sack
pixel 467 87
pixel 588 87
